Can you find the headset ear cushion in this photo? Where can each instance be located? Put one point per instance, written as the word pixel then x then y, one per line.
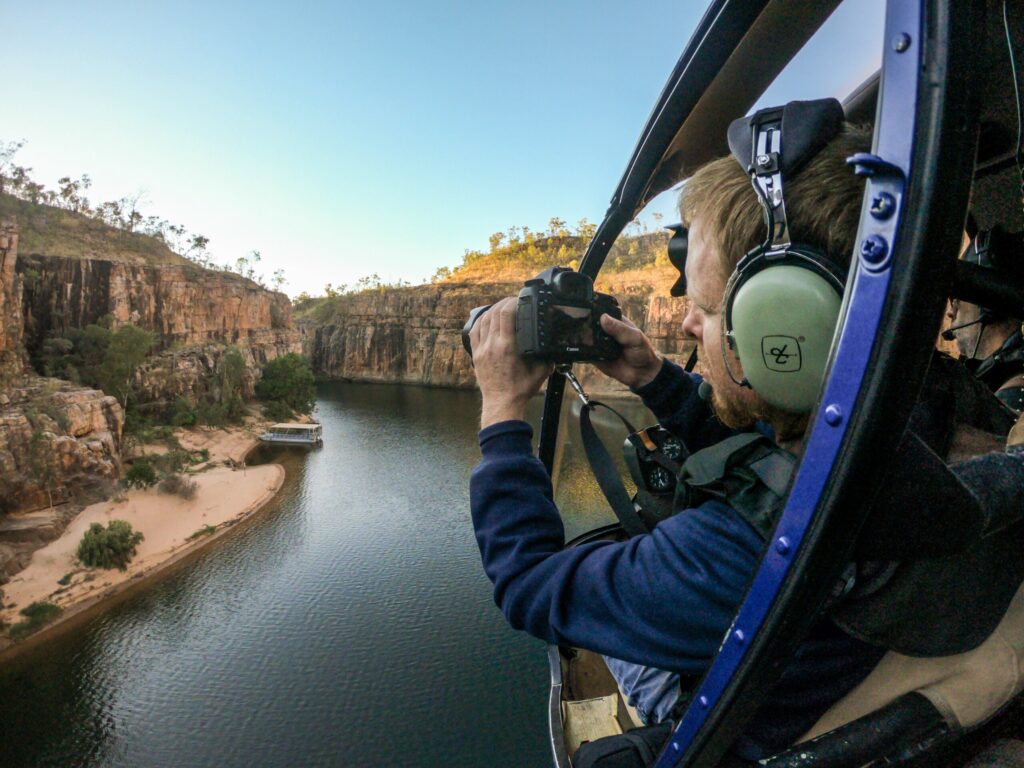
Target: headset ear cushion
pixel 783 320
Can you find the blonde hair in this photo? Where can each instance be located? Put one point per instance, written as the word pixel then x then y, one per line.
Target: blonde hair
pixel 822 202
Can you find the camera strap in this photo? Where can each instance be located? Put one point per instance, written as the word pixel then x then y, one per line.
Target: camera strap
pixel 601 464
pixel 605 471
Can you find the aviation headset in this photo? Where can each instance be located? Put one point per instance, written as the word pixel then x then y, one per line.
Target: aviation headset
pixel 782 301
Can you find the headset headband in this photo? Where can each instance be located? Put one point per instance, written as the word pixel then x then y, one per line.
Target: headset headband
pixel 756 143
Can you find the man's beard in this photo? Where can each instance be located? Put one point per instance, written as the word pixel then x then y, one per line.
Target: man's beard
pixel 735 415
pixel 732 412
pixel 742 413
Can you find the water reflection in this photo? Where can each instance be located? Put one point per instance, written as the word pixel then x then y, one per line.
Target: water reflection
pixel 350 625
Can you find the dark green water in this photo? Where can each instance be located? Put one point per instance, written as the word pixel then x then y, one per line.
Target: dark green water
pixel 350 625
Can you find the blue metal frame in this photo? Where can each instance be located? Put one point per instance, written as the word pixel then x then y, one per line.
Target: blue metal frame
pixel 888 169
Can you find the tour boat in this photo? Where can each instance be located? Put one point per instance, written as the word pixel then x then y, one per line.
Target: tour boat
pixel 294 434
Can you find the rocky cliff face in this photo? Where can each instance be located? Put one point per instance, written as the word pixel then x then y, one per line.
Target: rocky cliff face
pixel 194 312
pixel 413 335
pixel 58 443
pixel 182 304
pixel 12 351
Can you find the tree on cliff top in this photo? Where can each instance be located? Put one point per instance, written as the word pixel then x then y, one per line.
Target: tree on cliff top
pixel 288 379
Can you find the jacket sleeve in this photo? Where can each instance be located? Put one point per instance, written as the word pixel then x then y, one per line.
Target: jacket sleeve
pixel 672 397
pixel 664 599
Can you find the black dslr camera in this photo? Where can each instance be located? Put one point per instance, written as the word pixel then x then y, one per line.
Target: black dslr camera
pixel 558 319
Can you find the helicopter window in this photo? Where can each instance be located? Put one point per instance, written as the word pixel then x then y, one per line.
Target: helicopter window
pixel 638 274
pixel 829 65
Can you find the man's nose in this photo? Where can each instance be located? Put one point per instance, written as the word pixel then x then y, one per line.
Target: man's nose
pixel 692 326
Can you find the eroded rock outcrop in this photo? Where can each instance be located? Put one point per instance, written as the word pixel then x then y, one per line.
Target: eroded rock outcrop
pixel 193 372
pixel 413 335
pixel 58 443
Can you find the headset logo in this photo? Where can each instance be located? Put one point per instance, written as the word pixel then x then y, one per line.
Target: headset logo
pixel 781 353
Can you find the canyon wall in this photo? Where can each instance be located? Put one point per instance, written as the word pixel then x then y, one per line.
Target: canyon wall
pixel 60 442
pixel 414 335
pixel 183 304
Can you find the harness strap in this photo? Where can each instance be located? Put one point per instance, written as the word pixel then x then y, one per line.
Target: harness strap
pixel 747 471
pixel 606 473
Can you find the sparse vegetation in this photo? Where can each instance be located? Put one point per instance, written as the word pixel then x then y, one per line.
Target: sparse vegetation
pixel 65 579
pixel 206 530
pixel 64 222
pixel 139 475
pixel 37 615
pixel 178 485
pixel 110 547
pixel 518 254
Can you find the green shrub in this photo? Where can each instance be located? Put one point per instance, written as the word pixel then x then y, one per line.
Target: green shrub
pixel 184 413
pixel 147 432
pixel 175 460
pixel 289 379
pixel 206 530
pixel 179 486
pixel 277 410
pixel 110 547
pixel 213 414
pixel 36 615
pixel 140 475
pixel 65 579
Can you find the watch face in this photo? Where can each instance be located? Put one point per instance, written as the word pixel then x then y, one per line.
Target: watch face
pixel 672 449
pixel 659 479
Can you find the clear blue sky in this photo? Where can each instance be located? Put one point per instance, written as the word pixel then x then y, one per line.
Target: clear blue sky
pixel 345 138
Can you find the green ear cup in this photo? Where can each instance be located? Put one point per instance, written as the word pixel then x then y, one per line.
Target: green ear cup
pixel 783 320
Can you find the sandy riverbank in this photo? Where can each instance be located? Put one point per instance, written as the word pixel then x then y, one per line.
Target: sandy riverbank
pixel 224 496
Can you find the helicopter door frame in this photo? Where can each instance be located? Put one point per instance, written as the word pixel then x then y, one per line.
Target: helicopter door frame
pixel 922 156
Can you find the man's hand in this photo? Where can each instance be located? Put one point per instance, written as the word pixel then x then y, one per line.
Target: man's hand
pixel 639 363
pixel 507 381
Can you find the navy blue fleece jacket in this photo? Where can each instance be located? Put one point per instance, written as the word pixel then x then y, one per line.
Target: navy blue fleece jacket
pixel 665 599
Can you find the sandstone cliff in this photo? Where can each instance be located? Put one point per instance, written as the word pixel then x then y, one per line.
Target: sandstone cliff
pixel 413 335
pixel 58 443
pixel 183 304
pixel 12 350
pixel 195 314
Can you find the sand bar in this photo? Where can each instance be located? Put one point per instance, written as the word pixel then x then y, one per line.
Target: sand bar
pixel 225 495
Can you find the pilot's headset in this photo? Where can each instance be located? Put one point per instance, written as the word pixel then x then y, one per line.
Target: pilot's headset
pixel 782 302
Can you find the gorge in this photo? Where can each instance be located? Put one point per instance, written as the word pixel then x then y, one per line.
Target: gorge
pixel 60 442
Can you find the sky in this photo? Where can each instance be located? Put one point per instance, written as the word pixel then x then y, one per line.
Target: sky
pixel 345 138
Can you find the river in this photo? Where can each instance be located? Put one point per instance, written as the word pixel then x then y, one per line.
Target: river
pixel 349 624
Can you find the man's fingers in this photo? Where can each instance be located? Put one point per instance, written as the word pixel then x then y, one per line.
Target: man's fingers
pixel 481 328
pixel 623 331
pixel 507 316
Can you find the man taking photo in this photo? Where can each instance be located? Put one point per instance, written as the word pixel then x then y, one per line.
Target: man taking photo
pixel 661 603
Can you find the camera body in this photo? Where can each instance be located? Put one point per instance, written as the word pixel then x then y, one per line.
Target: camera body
pixel 558 319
